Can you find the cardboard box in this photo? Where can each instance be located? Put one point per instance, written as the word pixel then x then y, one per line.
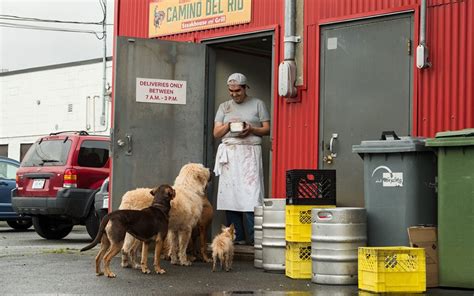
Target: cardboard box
pixel 427 237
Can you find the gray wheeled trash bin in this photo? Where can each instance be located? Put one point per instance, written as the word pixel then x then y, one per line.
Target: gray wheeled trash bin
pixel 399 187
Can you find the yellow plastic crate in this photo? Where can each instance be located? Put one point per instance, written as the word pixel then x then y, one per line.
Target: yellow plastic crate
pixel 392 269
pixel 298 260
pixel 298 222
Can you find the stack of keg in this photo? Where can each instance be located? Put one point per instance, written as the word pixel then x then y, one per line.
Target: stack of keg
pixel 258 237
pixel 273 242
pixel 336 235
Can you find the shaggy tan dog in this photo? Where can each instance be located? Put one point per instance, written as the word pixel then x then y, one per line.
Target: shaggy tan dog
pixel 197 247
pixel 186 209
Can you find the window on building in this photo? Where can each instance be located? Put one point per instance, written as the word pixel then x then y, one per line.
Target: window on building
pixel 4 150
pixel 23 149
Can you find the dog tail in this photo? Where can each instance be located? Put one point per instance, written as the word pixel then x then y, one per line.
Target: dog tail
pixel 98 237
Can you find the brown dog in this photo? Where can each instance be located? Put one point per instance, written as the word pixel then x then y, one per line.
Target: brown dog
pixel 199 236
pixel 186 210
pixel 223 248
pixel 146 225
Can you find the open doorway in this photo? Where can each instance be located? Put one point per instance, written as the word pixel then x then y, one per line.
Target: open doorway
pixel 251 55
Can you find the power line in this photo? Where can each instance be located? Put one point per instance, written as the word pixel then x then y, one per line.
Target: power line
pixel 30 19
pixel 8 17
pixel 32 27
pixel 101 35
pixel 2 17
pixel 103 5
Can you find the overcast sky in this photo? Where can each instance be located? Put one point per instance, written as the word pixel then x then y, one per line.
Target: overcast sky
pixel 26 48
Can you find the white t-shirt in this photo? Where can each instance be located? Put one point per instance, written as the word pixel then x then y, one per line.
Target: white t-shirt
pixel 252 110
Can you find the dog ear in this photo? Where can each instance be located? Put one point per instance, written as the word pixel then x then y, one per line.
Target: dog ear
pixel 201 175
pixel 171 192
pixel 232 227
pixel 153 191
pixel 199 178
pixel 223 227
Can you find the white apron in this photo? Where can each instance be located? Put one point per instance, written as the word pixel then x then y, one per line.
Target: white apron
pixel 240 170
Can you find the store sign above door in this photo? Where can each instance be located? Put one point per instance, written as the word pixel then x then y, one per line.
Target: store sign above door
pixel 168 17
pixel 161 91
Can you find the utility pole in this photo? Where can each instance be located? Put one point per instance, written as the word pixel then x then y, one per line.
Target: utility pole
pixel 104 62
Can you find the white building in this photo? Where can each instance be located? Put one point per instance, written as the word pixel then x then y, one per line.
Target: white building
pixel 38 101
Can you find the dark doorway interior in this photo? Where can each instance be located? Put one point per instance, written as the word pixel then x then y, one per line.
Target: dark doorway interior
pixel 253 57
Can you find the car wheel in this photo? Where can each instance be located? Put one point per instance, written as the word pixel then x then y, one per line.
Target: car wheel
pixel 50 228
pixel 101 214
pixel 20 224
pixel 92 223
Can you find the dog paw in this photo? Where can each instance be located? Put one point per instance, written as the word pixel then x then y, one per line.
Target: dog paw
pixel 125 265
pixel 207 260
pixel 146 271
pixel 160 270
pixel 99 274
pixel 111 275
pixel 137 266
pixel 186 263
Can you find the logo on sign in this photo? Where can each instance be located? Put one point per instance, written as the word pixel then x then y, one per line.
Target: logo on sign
pixel 389 178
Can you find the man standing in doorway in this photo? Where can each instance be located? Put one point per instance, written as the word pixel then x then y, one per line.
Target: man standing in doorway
pixel 240 122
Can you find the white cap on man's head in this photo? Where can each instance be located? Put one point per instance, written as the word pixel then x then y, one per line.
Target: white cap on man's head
pixel 237 78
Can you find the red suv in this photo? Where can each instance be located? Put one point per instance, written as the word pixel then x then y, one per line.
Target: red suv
pixel 57 181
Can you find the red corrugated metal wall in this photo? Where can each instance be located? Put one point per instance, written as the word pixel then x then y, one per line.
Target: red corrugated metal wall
pixel 132 18
pixel 443 94
pixel 446 90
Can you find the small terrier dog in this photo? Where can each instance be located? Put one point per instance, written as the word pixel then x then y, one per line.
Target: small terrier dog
pixel 223 248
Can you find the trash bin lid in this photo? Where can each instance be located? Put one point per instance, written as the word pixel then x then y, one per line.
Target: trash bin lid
pixel 404 144
pixel 464 137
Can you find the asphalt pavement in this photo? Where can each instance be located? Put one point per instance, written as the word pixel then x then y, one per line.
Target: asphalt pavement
pixel 32 265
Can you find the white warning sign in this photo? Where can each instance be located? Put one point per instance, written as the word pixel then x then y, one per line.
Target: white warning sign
pixel 161 91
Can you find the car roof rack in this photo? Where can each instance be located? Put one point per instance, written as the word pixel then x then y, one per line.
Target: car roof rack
pixel 81 133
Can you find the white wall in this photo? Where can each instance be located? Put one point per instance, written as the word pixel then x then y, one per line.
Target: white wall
pixel 35 103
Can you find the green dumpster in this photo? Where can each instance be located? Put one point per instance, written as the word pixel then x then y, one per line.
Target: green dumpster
pixel 455 207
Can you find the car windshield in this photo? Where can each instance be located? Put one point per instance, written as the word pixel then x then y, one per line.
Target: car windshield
pixel 47 153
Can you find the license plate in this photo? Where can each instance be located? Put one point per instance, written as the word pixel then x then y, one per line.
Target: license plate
pixel 38 184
